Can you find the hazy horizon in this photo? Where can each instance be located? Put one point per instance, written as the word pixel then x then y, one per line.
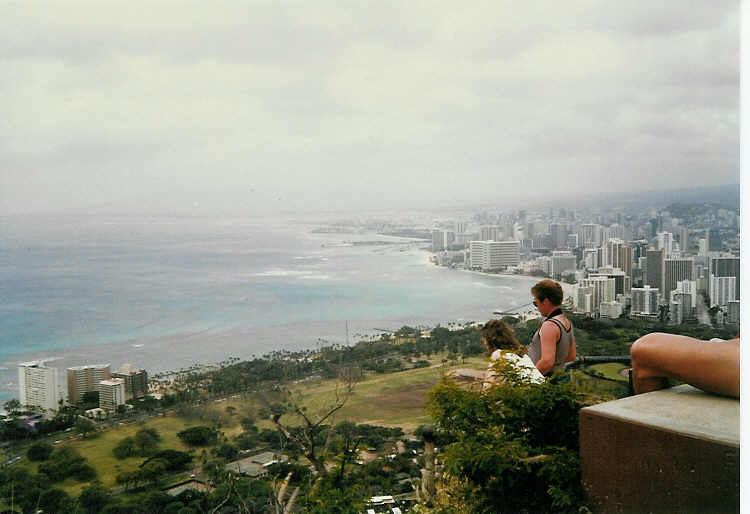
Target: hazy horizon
pixel 263 108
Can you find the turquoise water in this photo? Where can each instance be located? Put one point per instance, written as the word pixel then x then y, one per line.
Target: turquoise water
pixel 167 292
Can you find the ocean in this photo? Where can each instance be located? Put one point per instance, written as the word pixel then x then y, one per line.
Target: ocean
pixel 164 293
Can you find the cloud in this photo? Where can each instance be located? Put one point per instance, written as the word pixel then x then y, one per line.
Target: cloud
pixel 322 105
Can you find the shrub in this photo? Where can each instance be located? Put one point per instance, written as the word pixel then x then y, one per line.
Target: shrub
pixel 39 451
pixel 511 448
pixel 198 436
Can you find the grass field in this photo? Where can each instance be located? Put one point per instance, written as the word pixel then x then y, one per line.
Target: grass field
pixel 610 370
pixel 392 399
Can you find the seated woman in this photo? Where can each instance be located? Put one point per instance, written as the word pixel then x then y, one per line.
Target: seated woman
pixel 711 366
pixel 500 342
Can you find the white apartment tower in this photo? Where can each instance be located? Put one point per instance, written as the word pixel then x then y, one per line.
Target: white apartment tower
pixel 603 290
pixel 111 393
pixel 645 300
pixel 494 255
pixel 38 386
pixel 721 290
pixel 664 241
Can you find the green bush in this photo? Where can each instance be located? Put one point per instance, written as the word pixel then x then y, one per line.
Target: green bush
pixel 39 451
pixel 198 436
pixel 513 447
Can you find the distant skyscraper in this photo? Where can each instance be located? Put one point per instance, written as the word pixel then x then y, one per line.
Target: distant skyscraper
pixel 437 241
pixel 572 240
pixel 664 241
pixel 591 233
pixel 684 240
pixel 135 381
pixel 676 270
pixel 733 311
pixel 645 300
pixel 84 379
pixel 111 393
pixel 728 266
pixel 559 234
pixel 38 386
pixel 562 261
pixel 460 227
pixel 721 290
pixel 585 299
pixel 494 255
pixel 623 282
pixel 604 290
pixel 655 269
pixel 489 233
pixel 714 240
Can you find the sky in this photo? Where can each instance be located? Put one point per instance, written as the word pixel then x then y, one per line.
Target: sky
pixel 270 107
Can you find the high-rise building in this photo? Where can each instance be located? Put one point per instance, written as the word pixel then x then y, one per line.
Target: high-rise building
pixel 437 241
pixel 703 246
pixel 591 234
pixel 714 240
pixel 655 269
pixel 727 266
pixel 721 290
pixel 562 261
pixel 572 240
pixel 592 257
pixel 111 393
pixel 489 233
pixel 84 379
pixel 733 311
pixel 688 287
pixel 460 227
pixel 135 380
pixel 626 263
pixel 38 386
pixel 623 282
pixel 676 270
pixel 645 300
pixel 559 234
pixel 611 310
pixel 584 299
pixel 684 240
pixel 604 290
pixel 664 242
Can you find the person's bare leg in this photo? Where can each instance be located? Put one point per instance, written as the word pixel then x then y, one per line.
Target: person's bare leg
pixel 713 367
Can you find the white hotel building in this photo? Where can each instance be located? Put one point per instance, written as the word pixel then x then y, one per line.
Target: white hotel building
pixel 38 386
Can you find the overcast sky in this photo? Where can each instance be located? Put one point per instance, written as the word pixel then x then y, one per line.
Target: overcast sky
pixel 337 105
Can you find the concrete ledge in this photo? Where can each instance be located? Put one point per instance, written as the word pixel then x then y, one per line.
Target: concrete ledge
pixel 675 450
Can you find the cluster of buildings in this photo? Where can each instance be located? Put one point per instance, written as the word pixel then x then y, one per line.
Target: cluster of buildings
pixel 646 265
pixel 40 387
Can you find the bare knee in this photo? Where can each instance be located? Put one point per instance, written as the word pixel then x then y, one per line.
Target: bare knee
pixel 642 351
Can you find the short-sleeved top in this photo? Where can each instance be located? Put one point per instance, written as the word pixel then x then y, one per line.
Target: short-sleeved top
pixel 523 364
pixel 563 344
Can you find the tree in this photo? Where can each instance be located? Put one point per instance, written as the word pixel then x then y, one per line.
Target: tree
pixel 310 435
pixel 84 426
pixel 125 448
pixel 501 455
pixel 198 436
pixel 12 406
pixel 39 451
pixel 94 498
pixel 146 441
pixel 153 469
